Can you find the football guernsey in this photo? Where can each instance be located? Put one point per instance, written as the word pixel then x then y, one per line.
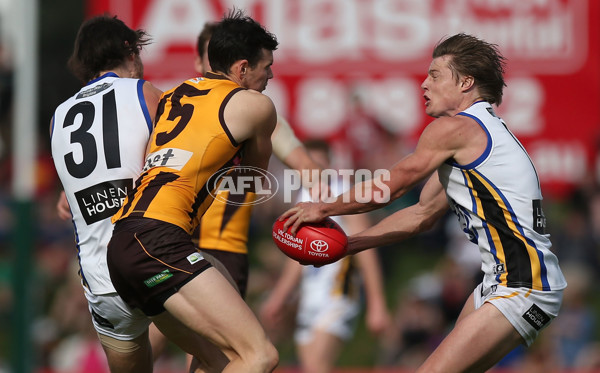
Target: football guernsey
pixel 189 150
pixel 98 140
pixel 498 202
pixel 225 224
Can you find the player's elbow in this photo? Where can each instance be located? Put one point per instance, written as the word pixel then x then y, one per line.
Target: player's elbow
pixel 426 221
pixel 426 225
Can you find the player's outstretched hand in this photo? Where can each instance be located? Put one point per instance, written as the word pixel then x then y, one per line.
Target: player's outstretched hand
pixel 303 212
pixel 62 207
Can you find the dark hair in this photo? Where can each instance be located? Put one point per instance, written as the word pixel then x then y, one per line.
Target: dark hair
pixel 104 43
pixel 204 36
pixel 238 37
pixel 477 58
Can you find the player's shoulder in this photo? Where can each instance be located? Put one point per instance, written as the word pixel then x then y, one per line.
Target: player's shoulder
pixel 450 133
pixel 253 103
pixel 253 96
pixel 150 91
pixel 448 125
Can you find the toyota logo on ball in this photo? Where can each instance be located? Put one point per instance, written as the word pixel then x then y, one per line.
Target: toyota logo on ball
pixel 319 246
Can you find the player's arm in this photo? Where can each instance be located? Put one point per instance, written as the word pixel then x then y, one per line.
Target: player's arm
pixel 152 97
pixel 294 155
pixel 406 222
pixel 62 205
pixel 439 142
pixel 285 142
pixel 251 119
pixel 272 311
pixel 289 149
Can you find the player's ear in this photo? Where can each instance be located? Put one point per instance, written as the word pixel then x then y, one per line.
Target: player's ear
pixel 242 68
pixel 198 65
pixel 466 82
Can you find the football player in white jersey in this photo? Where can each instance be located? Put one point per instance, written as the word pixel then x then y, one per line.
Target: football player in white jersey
pixel 98 140
pixel 474 165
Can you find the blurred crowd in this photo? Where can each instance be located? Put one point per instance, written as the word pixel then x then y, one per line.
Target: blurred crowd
pixel 427 278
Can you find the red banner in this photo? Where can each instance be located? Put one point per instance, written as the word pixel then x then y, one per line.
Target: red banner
pixel 379 50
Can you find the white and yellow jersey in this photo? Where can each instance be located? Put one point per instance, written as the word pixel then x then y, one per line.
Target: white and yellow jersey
pixel 498 202
pixel 98 143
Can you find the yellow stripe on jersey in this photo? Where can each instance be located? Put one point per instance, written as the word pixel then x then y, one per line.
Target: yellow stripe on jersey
pixel 510 224
pixel 493 232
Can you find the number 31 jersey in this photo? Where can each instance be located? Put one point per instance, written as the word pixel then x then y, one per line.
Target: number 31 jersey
pixel 190 147
pixel 98 140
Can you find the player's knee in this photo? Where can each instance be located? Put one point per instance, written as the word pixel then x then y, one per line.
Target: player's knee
pixel 270 358
pixel 132 355
pixel 264 357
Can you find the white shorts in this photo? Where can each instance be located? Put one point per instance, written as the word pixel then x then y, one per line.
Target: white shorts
pixel 529 311
pixel 338 317
pixel 111 316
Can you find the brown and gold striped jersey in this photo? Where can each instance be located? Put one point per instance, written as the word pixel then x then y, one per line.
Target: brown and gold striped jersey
pixel 189 145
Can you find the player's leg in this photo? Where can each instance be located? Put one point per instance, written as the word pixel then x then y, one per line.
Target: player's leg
pixel 122 331
pixel 133 356
pixel 321 353
pixel 208 358
pixel 211 307
pixel 479 340
pixel 158 341
pixel 209 255
pixel 181 337
pixel 467 309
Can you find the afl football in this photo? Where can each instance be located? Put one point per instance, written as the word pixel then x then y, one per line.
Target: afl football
pixel 314 243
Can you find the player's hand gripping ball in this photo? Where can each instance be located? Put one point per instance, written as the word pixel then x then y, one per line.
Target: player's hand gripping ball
pixel 314 243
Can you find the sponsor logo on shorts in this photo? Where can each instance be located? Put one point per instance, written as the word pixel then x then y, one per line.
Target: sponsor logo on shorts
pixel 536 317
pixel 158 278
pixel 487 291
pixel 194 258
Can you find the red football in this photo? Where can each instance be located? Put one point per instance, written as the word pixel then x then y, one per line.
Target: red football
pixel 314 243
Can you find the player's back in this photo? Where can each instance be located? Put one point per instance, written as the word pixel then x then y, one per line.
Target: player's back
pixel 98 141
pixel 190 144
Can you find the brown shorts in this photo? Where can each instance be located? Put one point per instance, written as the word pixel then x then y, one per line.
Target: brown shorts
pixel 236 264
pixel 150 260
